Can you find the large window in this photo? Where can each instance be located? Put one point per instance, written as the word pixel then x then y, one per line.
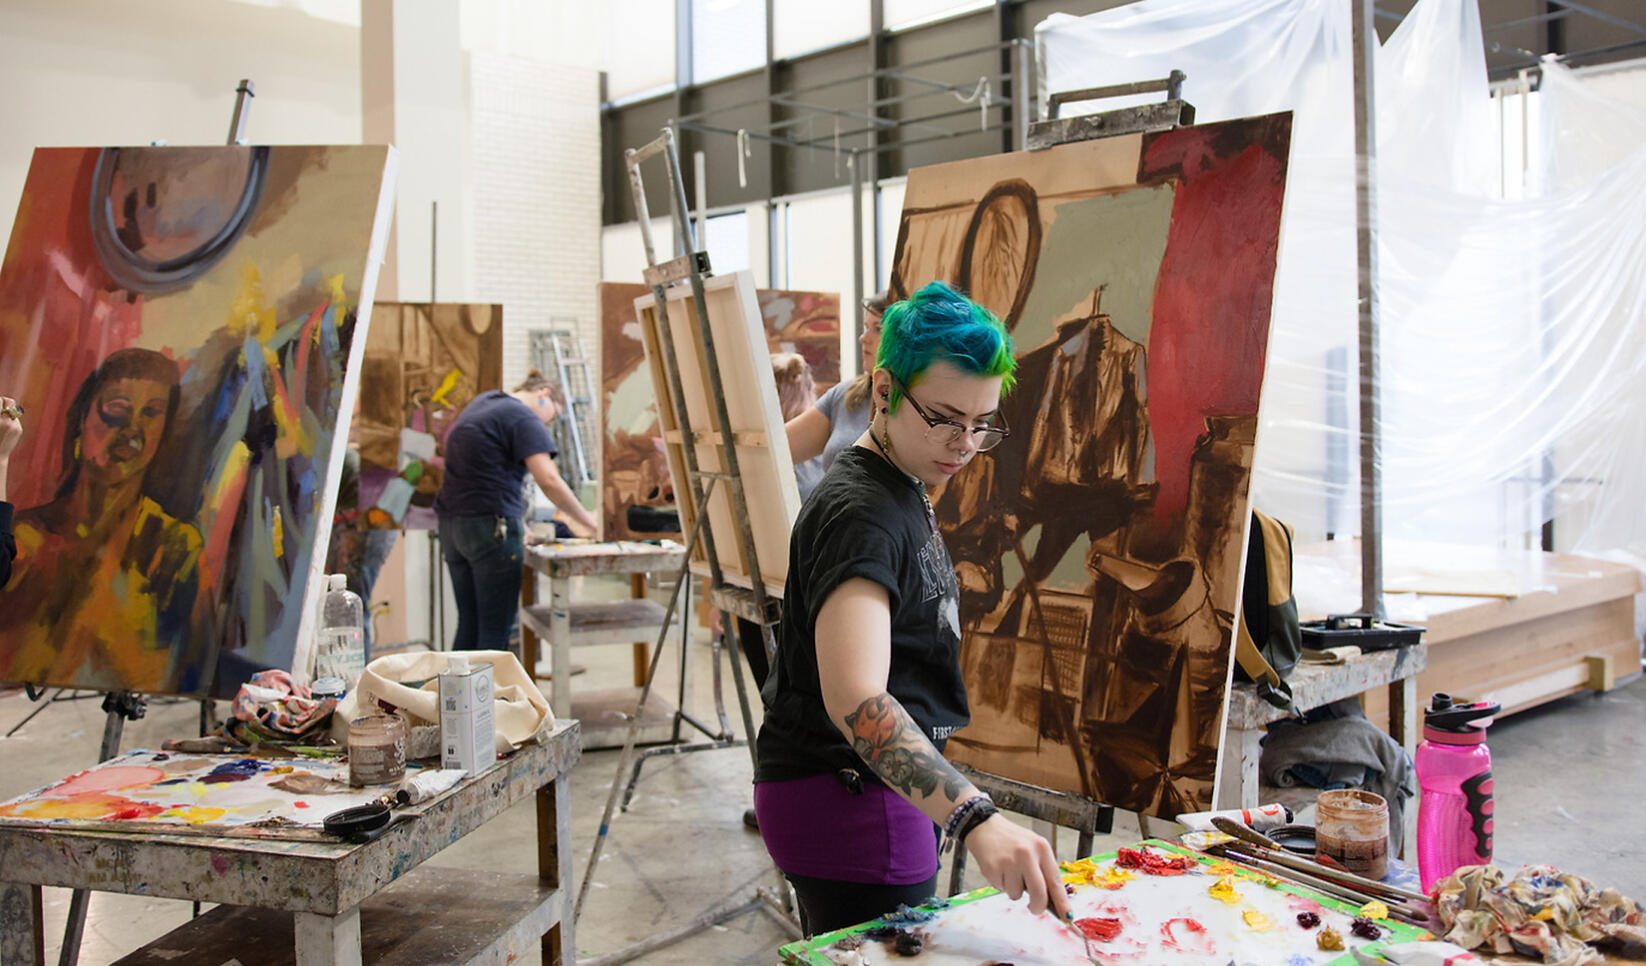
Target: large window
pixel 901 14
pixel 728 37
pixel 802 26
pixel 639 47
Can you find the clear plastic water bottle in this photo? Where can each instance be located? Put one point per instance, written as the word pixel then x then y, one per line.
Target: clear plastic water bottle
pixel 1454 772
pixel 342 642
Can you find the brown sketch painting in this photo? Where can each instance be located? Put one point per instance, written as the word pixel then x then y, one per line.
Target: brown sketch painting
pixel 1099 546
pixel 424 362
pixel 637 494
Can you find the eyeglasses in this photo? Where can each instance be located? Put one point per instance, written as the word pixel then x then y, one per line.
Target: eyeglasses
pixel 944 432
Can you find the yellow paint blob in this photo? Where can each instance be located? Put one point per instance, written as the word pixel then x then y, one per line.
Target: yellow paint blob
pixel 1329 939
pixel 1375 910
pixel 281 769
pixel 195 815
pixel 1222 867
pixel 1223 890
pixel 1257 921
pixel 1113 878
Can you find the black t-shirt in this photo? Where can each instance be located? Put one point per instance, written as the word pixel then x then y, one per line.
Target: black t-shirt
pixel 866 519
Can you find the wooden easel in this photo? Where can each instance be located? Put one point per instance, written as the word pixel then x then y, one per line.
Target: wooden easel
pixel 1086 816
pixel 751 603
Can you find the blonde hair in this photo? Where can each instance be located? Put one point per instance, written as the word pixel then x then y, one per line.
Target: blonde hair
pixel 795 388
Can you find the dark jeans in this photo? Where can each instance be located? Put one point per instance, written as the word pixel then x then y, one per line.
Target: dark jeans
pixel 484 556
pixel 828 904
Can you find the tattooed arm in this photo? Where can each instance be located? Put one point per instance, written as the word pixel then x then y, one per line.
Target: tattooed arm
pixel 854 652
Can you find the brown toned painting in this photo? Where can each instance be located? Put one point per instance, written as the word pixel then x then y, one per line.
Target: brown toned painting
pixel 1099 546
pixel 634 467
pixel 424 362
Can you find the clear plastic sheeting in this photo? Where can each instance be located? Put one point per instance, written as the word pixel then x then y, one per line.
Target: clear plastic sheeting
pixel 1513 330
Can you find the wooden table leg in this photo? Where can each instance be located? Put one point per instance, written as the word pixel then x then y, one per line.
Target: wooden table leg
pixel 328 940
pixel 1404 728
pixel 528 637
pixel 554 867
pixel 642 662
pixel 560 643
pixel 22 925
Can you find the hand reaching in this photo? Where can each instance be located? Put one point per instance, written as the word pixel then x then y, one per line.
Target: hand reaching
pixel 11 425
pixel 1019 862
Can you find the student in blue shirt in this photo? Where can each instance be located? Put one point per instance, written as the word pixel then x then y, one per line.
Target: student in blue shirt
pixel 498 439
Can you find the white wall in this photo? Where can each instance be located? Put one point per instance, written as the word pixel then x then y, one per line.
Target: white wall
pixel 99 72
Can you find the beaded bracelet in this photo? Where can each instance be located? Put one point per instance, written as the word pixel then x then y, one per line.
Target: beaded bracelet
pixel 973 819
pixel 960 814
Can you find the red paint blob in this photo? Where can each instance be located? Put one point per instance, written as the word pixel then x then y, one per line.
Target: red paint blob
pixel 300 804
pixel 1186 934
pixel 1102 930
pixel 1153 863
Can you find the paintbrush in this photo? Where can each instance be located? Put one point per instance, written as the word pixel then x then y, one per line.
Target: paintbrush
pixel 1269 849
pixel 1341 875
pixel 1403 913
pixel 1084 939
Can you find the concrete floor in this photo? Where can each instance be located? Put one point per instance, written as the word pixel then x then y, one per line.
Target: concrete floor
pixel 1568 776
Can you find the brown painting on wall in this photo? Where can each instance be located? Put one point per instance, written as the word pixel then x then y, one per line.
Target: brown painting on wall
pixel 424 362
pixel 1099 546
pixel 636 492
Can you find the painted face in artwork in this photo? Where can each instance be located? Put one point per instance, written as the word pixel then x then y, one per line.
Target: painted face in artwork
pixel 946 394
pixel 123 428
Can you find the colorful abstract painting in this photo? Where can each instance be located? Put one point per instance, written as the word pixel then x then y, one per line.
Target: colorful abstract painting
pixel 423 364
pixel 179 323
pixel 634 469
pixel 1099 546
pixel 224 794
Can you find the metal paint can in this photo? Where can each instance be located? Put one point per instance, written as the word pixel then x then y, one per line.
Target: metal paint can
pixel 377 750
pixel 332 687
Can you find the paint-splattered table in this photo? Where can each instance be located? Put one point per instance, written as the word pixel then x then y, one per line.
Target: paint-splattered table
pixel 564 623
pixel 326 900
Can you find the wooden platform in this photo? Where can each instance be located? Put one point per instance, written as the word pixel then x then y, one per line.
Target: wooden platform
pixel 1569 627
pixel 483 919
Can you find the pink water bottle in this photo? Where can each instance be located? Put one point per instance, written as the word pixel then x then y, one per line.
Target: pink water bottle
pixel 1454 771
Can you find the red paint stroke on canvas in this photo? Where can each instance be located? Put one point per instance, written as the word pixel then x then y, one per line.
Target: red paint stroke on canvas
pixel 1216 277
pixel 1187 935
pixel 1101 929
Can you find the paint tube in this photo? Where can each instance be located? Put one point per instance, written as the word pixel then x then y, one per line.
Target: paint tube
pixel 1260 818
pixel 426 784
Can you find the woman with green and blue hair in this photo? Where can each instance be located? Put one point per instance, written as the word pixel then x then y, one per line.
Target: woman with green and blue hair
pixel 852 784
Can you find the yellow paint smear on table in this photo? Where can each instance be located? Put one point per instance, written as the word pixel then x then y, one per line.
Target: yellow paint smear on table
pixel 1088 872
pixel 1375 910
pixel 195 814
pixel 84 807
pixel 1257 920
pixel 1223 890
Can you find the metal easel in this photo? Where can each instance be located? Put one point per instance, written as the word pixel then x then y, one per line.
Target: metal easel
pixel 752 603
pixel 1086 816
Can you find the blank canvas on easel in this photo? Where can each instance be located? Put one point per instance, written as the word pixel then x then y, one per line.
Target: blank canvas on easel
pixel 762 448
pixel 634 472
pixel 181 325
pixel 1099 546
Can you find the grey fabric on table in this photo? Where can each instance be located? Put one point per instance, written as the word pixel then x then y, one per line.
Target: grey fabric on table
pixel 1337 738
